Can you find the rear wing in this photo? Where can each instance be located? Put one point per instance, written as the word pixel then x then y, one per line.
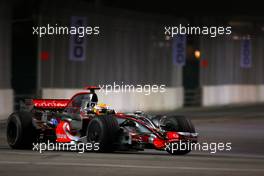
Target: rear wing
pixel 54 103
pixel 49 103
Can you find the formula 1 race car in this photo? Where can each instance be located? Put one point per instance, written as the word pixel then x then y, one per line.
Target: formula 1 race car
pixel 83 119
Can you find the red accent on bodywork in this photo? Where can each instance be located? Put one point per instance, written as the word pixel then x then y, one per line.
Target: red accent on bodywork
pixel 136 138
pixel 159 143
pixel 61 133
pixel 50 103
pixel 145 138
pixel 70 100
pixel 172 135
pixel 92 87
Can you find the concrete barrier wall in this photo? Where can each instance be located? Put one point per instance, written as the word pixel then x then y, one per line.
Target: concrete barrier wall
pixel 6 103
pixel 232 94
pixel 171 99
pixel 6 93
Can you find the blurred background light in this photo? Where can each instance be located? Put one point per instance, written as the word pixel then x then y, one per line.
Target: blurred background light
pixel 197 54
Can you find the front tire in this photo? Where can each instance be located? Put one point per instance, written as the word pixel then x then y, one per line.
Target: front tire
pixel 103 130
pixel 178 124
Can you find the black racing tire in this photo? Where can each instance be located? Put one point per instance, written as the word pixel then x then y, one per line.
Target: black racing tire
pixel 178 124
pixel 20 131
pixel 103 130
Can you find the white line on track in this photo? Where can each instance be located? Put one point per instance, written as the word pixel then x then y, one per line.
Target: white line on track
pixel 131 166
pixel 192 155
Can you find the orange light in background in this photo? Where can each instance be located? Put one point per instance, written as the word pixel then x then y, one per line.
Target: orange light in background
pixel 197 54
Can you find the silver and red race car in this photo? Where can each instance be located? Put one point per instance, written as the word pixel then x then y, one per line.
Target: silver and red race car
pixel 83 119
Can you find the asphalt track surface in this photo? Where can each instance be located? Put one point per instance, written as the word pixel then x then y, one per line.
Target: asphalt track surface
pixel 243 126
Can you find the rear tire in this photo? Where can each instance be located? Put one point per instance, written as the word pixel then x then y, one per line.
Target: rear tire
pixel 20 130
pixel 103 130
